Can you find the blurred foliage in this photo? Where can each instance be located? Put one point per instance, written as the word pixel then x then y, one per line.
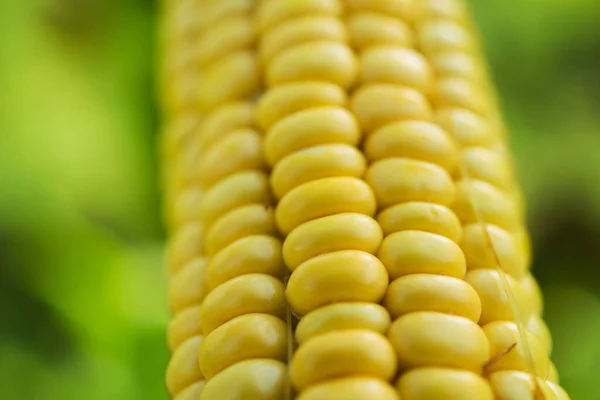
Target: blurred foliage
pixel 81 278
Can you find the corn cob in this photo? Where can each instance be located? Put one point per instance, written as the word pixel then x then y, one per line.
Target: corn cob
pixel 346 159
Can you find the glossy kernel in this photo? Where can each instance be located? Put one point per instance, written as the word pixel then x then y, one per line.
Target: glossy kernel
pixel 187 286
pixel 355 388
pixel 183 326
pixel 434 383
pixel 322 198
pixel 414 252
pixel 343 316
pixel 183 368
pixel 329 234
pixel 341 354
pixel 349 275
pixel 371 29
pixel 436 339
pixel 426 292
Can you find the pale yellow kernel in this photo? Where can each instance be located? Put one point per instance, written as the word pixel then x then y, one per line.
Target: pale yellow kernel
pixel 233 192
pixel 421 216
pixel 426 338
pixel 435 383
pixel 223 120
pixel 192 392
pixel 414 252
pixel 298 31
pixel 230 35
pixel 458 64
pixel 186 288
pixel 257 379
pixel 378 104
pixel 324 60
pixel 496 303
pixel 341 354
pixel 355 388
pixel 273 12
pixel 462 93
pixel 401 9
pixel 508 353
pixel 492 247
pixel 311 127
pixel 183 326
pixel 427 292
pixel 231 78
pixel 517 385
pixel 343 316
pixel 246 294
pixel 396 65
pixel 537 326
pixel 317 162
pixel 185 245
pixel 283 100
pixel 243 338
pixel 417 140
pixel 436 35
pixel 254 219
pixel 399 180
pixel 185 206
pixel 488 166
pixel 183 368
pixel 321 198
pixel 348 275
pixel 466 127
pixel 371 29
pixel 332 233
pixel 532 293
pixel 479 201
pixel 239 151
pixel 251 254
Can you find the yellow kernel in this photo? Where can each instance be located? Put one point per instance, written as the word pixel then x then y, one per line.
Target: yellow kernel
pixel 254 219
pixel 331 233
pixel 317 162
pixel 274 12
pixel 558 391
pixel 378 104
pixel 183 326
pixel 321 198
pixel 245 337
pixel 192 392
pixel 185 245
pixel 552 373
pixel 232 192
pixel 517 385
pixel 461 93
pixel 434 383
pixel 348 275
pixel 371 29
pixel 495 302
pixel 355 388
pixel 178 133
pixel 508 353
pixel 427 338
pixel 223 120
pixel 311 127
pixel 503 250
pixel 258 379
pixel 438 35
pixel 221 10
pixel 485 165
pixel 399 180
pixel 427 292
pixel 342 316
pixel 237 152
pixel 298 31
pixel 187 286
pixel 396 65
pixel 283 100
pixel 341 354
pixel 532 293
pixel 538 327
pixel 420 216
pixel 324 60
pixel 185 208
pixel 466 127
pixel 183 368
pixel 400 9
pixel 233 77
pixel 246 294
pixel 493 205
pixel 418 140
pixel 252 254
pixel 458 64
pixel 415 252
pixel 227 36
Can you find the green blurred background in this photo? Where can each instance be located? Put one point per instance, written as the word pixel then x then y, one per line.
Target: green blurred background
pixel 82 287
